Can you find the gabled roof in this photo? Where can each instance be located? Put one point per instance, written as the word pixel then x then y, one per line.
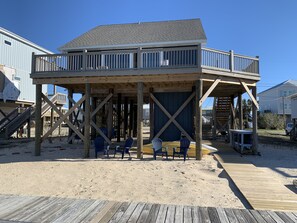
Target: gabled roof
pixel 293 82
pixel 23 40
pixel 139 35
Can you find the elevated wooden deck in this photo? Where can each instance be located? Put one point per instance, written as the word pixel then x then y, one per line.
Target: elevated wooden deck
pixel 262 191
pixel 54 209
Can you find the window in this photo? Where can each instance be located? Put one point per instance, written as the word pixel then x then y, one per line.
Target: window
pixel 7 42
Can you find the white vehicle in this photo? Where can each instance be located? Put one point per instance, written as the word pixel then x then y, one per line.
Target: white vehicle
pixel 289 128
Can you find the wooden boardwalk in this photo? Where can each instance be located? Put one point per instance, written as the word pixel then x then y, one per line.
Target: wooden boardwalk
pixel 54 209
pixel 261 190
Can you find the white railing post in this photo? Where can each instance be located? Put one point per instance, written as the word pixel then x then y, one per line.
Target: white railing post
pixel 258 65
pixel 199 56
pixel 84 60
pixel 231 60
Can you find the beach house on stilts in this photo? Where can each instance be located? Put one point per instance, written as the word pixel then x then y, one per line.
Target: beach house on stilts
pixel 164 64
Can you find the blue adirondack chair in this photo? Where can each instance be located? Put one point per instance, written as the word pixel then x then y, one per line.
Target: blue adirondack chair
pixel 124 149
pixel 100 146
pixel 158 149
pixel 182 149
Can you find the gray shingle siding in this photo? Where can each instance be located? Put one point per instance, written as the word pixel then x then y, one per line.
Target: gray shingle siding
pixel 139 34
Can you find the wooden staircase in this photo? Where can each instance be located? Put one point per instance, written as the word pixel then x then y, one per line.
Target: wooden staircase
pixel 222 113
pixel 14 121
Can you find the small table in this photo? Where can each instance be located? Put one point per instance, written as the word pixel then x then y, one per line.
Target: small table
pixel 241 139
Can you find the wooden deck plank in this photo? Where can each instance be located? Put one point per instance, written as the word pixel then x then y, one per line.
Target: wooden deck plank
pixel 60 207
pixel 188 214
pixel 275 217
pixel 162 214
pixel 196 215
pixel 115 218
pixel 7 211
pixel 222 215
pixel 284 217
pixel 213 215
pixel 170 214
pixel 152 217
pixel 248 216
pixel 261 190
pixel 292 216
pixel 9 204
pixel 102 211
pixel 94 212
pixel 257 216
pixel 179 214
pixel 238 214
pixel 38 213
pixel 110 213
pixel 204 215
pixel 128 212
pixel 145 213
pixel 231 216
pixel 87 211
pixel 136 213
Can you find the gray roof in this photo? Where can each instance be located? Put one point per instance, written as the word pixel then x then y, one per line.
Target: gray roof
pixel 180 32
pixel 293 82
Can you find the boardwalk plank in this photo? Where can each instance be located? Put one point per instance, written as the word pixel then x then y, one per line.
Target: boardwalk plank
pixel 11 204
pixel 248 216
pixel 30 209
pixel 275 217
pixel 231 216
pixel 104 210
pixel 170 214
pixel 8 212
pixel 152 217
pixel 61 206
pixel 222 215
pixel 115 218
pixel 162 214
pixel 42 210
pixel 110 213
pixel 196 214
pixel 145 213
pixel 284 217
pixel 257 216
pixel 128 212
pixel 239 215
pixel 204 214
pixel 136 213
pixel 96 210
pixel 87 211
pixel 213 215
pixel 188 214
pixel 267 217
pixel 292 216
pixel 179 214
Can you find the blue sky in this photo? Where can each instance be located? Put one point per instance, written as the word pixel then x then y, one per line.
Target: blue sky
pixel 265 28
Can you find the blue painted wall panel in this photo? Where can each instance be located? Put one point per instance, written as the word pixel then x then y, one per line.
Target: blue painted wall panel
pixel 172 101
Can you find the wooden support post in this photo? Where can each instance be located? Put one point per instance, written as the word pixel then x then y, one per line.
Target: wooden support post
pixel 110 116
pixel 119 105
pixel 93 130
pixel 198 121
pixel 70 131
pixel 214 118
pixel 131 119
pixel 38 120
pixel 135 120
pixel 139 119
pixel 232 116
pixel 240 118
pixel 125 117
pixel 255 125
pixel 87 121
pixel 152 118
pixel 51 124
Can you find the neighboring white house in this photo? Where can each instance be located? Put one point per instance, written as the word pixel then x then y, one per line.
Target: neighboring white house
pixel 276 99
pixel 294 106
pixel 16 86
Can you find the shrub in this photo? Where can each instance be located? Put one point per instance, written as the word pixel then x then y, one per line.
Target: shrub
pixel 270 121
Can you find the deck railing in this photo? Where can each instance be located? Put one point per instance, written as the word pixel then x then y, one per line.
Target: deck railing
pixel 178 57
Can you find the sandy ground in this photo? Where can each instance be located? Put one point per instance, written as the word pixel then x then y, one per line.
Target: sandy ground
pixel 60 171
